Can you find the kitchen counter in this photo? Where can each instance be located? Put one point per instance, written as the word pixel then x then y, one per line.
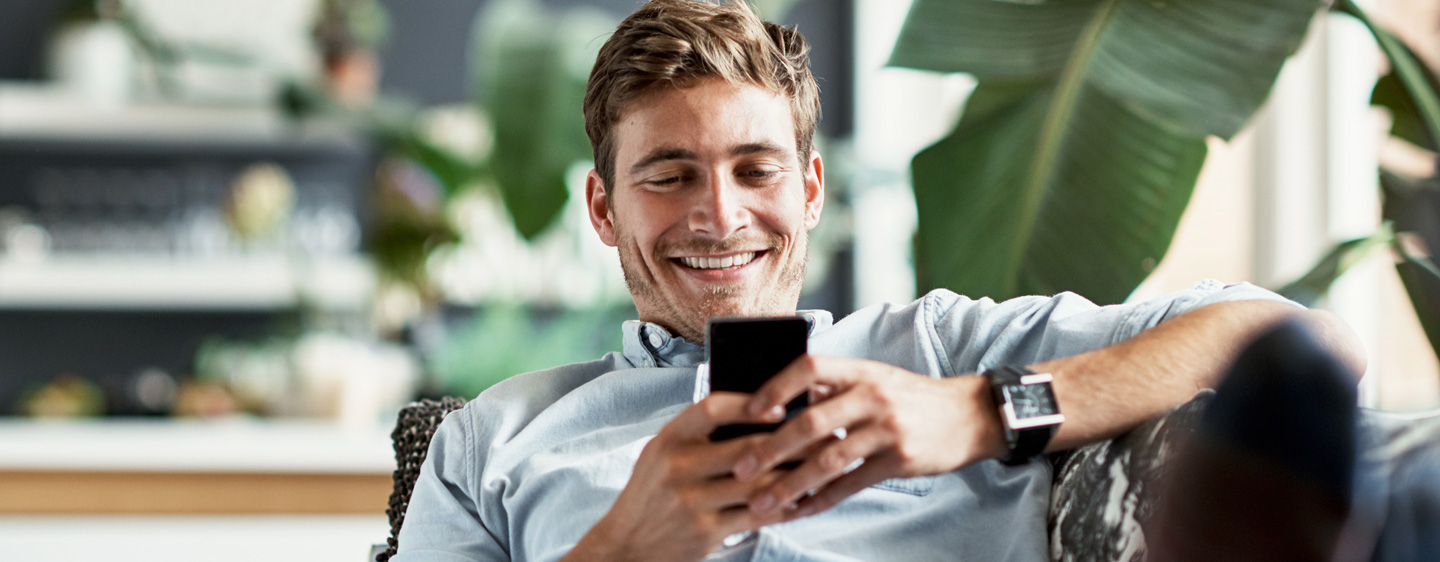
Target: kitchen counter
pixel 240 466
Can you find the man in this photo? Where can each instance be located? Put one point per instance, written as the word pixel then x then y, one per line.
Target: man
pixel 701 118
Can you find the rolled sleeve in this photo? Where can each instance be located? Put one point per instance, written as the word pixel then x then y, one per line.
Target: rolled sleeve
pixel 978 334
pixel 1154 312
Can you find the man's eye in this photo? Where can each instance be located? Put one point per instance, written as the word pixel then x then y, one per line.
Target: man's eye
pixel 665 181
pixel 760 174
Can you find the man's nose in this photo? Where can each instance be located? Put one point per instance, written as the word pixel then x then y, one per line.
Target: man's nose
pixel 719 209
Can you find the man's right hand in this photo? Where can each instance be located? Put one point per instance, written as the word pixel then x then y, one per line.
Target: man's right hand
pixel 682 500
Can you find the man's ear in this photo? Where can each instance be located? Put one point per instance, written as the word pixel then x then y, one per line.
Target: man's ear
pixel 596 198
pixel 814 189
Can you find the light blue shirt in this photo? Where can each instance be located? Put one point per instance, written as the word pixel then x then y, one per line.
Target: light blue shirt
pixel 528 467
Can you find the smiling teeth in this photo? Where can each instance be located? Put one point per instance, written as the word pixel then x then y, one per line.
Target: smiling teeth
pixel 719 263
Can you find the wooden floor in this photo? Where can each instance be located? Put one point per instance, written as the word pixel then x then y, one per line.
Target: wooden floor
pixel 77 492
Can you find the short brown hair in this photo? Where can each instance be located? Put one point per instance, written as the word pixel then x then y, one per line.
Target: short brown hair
pixel 674 43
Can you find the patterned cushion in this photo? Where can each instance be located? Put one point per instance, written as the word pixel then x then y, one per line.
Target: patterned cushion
pixel 414 427
pixel 1104 491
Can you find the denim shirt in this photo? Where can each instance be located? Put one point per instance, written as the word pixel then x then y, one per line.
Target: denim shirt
pixel 528 467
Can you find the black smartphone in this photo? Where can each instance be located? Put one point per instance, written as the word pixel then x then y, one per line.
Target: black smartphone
pixel 746 352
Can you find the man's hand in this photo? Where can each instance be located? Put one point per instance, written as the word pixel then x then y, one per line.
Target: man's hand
pixel 900 423
pixel 682 500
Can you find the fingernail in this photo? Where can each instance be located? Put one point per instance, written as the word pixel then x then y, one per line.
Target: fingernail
pixel 746 467
pixel 763 503
pixel 756 408
pixel 775 413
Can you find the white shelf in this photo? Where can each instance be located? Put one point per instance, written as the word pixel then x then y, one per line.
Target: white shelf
pixel 229 446
pixel 52 112
pixel 175 283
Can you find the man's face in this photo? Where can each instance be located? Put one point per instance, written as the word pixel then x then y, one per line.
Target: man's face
pixel 711 205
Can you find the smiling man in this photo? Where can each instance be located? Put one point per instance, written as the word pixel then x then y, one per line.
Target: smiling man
pixel 702 117
pixel 711 203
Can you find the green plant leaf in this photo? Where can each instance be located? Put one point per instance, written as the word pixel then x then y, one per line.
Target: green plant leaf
pixel 1078 151
pixel 1202 66
pixel 1407 122
pixel 990 39
pixel 453 173
pixel 772 10
pixel 1308 289
pixel 533 67
pixel 1413 205
pixel 1125 184
pixel 1422 282
pixel 501 340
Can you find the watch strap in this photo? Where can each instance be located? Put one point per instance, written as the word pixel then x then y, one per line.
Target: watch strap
pixel 1028 443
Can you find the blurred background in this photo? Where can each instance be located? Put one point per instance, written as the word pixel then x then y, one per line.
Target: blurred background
pixel 237 235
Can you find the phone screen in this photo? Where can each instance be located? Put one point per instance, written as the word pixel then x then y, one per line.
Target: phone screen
pixel 746 352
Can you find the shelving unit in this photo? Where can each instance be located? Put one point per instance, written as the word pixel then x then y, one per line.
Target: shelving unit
pixel 129 261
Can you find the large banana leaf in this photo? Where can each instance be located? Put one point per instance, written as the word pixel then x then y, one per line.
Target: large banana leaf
pixel 1077 153
pixel 533 66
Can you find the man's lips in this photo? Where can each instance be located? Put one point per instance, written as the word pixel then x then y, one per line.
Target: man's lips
pixel 730 261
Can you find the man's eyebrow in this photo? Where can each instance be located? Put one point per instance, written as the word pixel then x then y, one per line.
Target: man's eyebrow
pixel 759 148
pixel 662 155
pixel 666 154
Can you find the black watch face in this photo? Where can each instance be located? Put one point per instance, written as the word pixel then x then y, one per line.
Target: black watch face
pixel 1031 400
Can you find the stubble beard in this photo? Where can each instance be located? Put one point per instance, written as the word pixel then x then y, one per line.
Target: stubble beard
pixel 689 322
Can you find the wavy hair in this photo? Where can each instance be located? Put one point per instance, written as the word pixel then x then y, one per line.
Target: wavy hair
pixel 675 43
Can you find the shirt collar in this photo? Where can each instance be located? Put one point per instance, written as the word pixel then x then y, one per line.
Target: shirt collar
pixel 647 344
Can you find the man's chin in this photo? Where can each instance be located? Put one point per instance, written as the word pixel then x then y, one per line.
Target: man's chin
pixel 739 305
pixel 697 311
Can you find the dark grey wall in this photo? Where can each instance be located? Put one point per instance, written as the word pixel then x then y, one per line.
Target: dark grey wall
pixel 426 59
pixel 24 27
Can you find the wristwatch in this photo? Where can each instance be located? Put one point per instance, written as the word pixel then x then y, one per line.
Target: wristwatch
pixel 1028 411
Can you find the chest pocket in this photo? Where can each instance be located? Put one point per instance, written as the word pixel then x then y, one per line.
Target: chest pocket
pixel 917 486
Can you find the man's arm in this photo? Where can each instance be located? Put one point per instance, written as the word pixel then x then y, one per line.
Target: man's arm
pixel 1106 392
pixel 905 425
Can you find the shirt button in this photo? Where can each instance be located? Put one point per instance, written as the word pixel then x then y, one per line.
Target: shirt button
pixel 656 340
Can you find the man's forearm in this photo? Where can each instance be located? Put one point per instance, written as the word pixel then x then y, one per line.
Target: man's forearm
pixel 1106 392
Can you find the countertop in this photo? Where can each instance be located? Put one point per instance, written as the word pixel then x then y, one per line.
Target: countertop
pixel 243 445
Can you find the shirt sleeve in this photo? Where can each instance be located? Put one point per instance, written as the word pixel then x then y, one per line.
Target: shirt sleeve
pixel 973 335
pixel 443 521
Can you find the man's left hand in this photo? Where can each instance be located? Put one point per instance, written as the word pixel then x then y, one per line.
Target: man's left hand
pixel 900 423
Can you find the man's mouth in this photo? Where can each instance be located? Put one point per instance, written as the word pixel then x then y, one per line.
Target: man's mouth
pixel 724 262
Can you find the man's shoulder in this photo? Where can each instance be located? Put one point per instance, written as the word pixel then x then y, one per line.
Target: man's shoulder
pixel 546 385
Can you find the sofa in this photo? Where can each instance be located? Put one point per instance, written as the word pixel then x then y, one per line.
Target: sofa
pixel 1105 496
